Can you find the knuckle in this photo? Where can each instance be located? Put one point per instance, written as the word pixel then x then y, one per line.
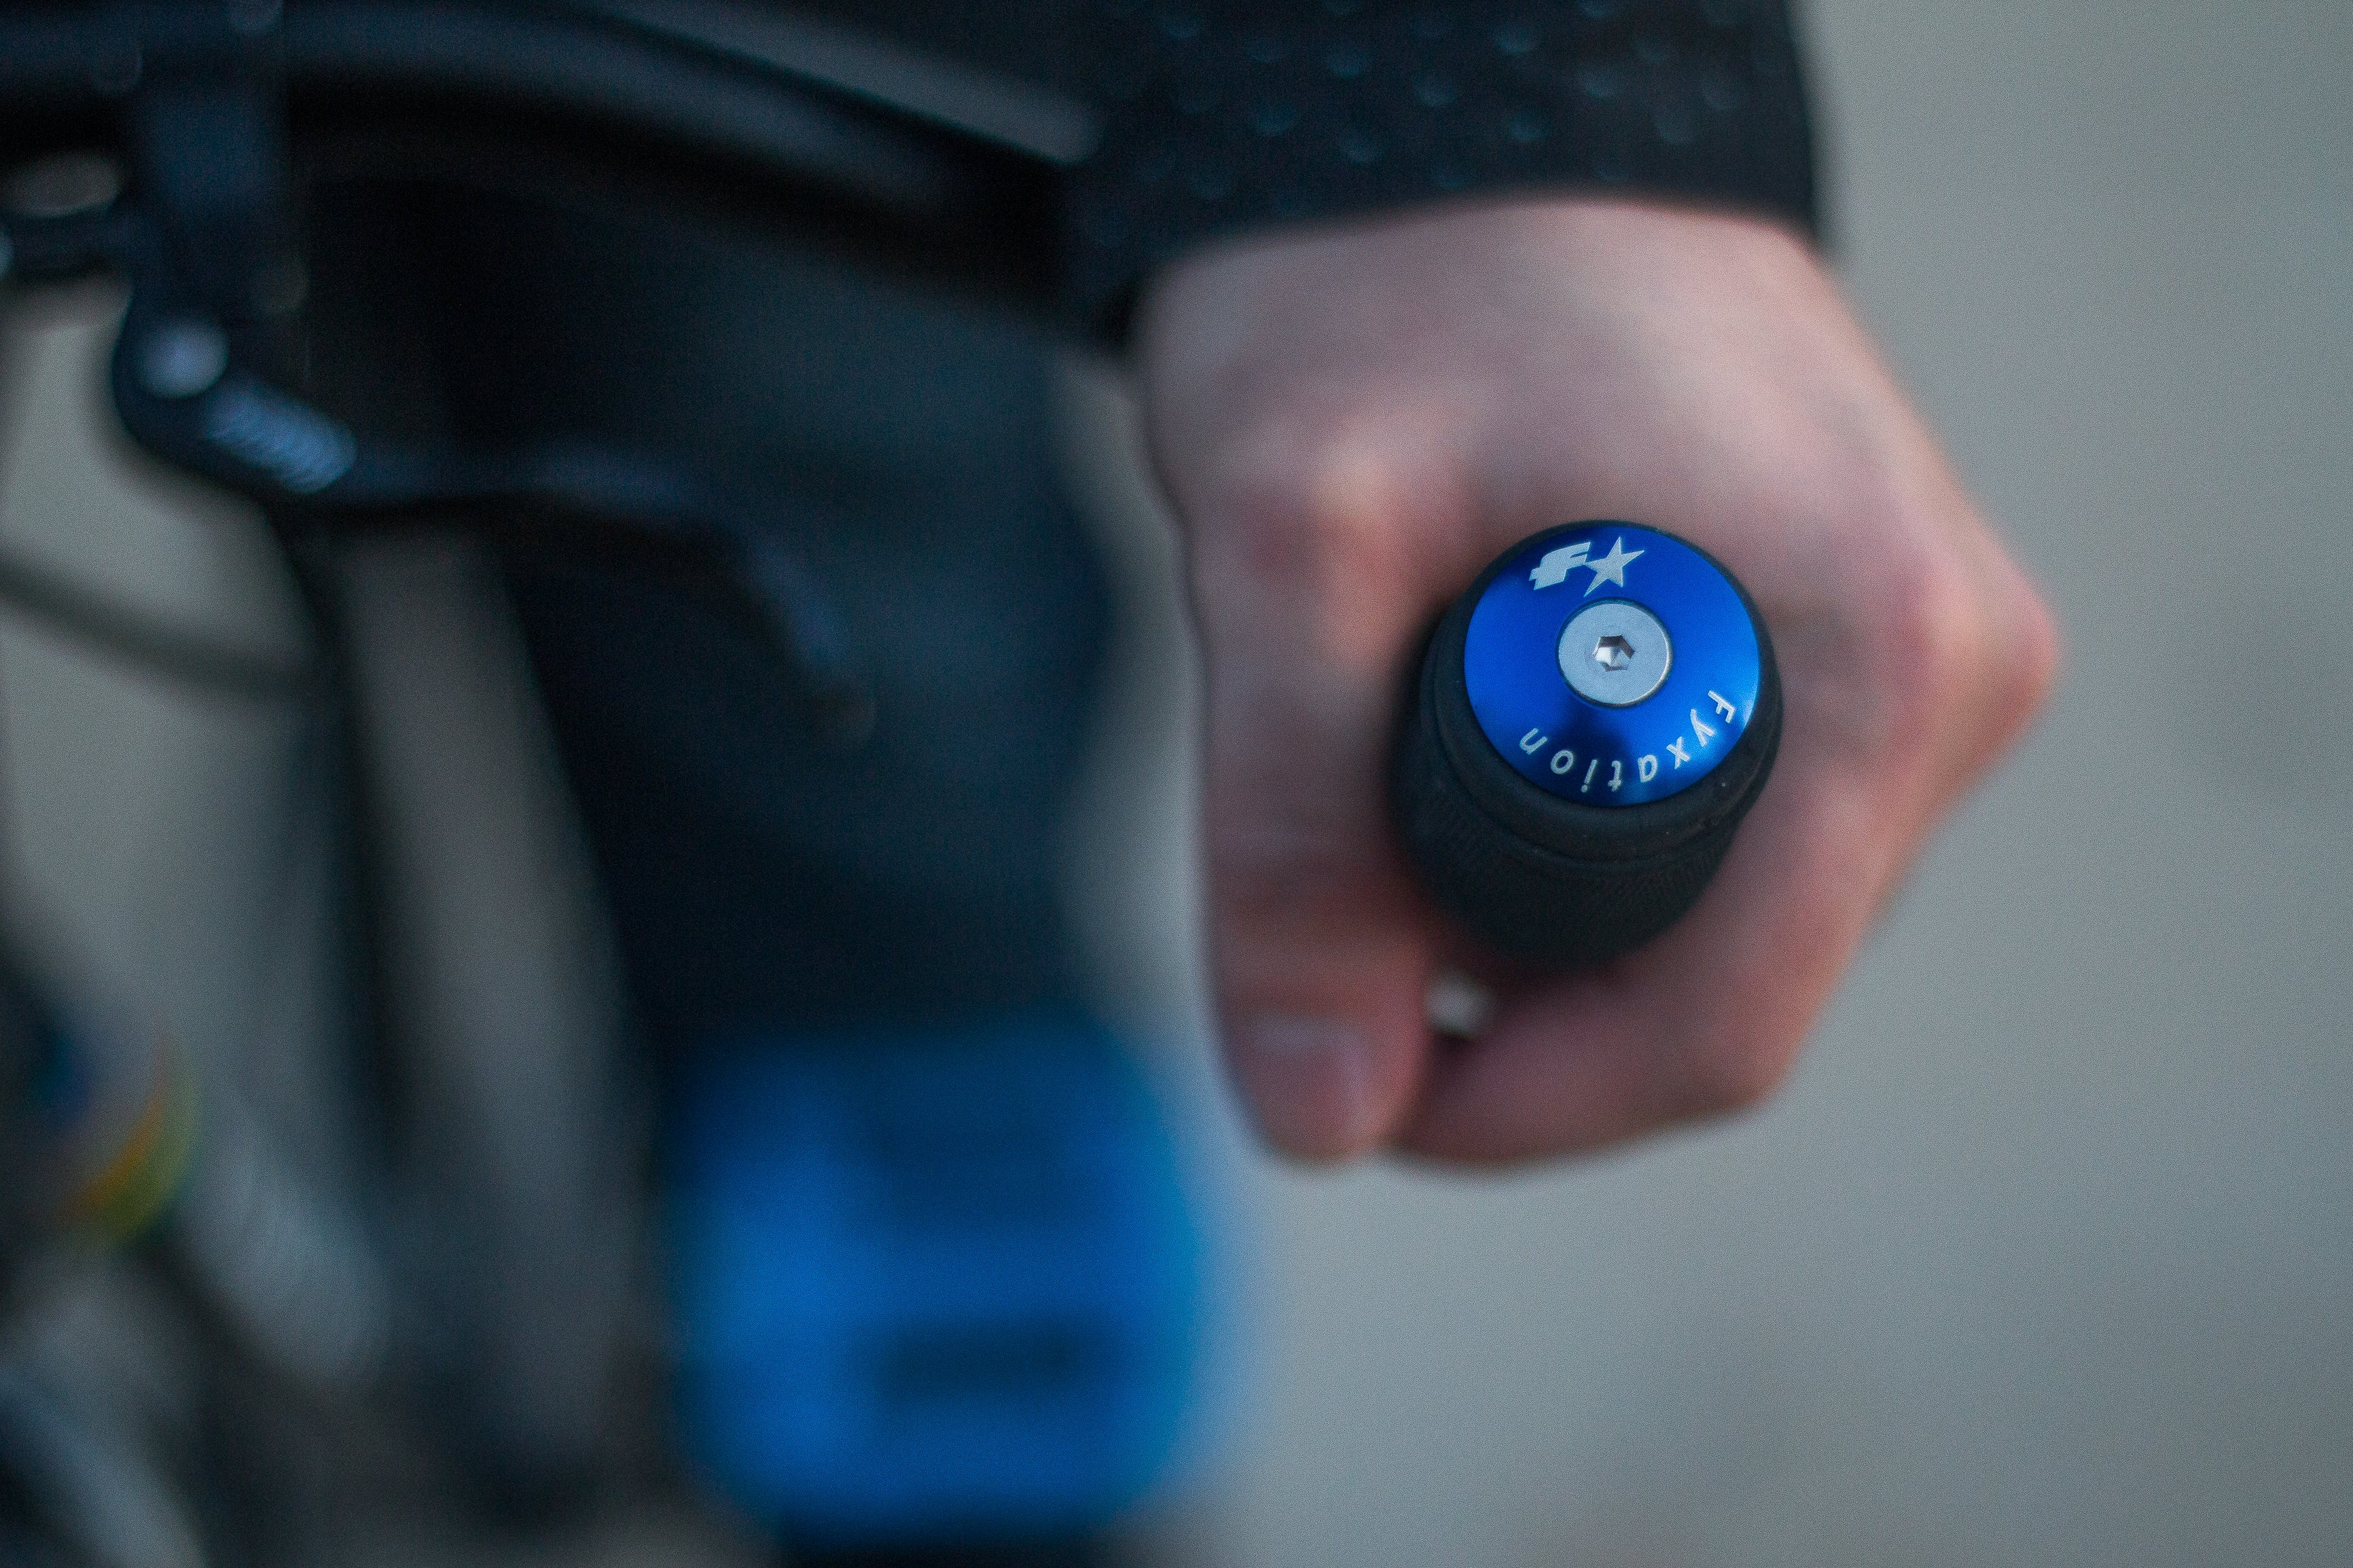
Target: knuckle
pixel 1303 506
pixel 1960 645
pixel 1930 641
pixel 2030 665
pixel 1951 623
pixel 1732 1073
pixel 1324 501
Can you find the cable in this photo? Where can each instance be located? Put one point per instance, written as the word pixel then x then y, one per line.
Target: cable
pixel 170 652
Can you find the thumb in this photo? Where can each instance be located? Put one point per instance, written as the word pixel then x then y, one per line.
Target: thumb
pixel 1322 945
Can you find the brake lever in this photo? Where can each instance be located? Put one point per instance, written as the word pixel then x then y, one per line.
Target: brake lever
pixel 185 389
pixel 182 394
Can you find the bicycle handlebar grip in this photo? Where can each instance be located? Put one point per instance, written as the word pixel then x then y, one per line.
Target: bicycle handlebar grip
pixel 1592 720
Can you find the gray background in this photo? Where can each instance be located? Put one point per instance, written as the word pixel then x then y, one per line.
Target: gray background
pixel 2046 1254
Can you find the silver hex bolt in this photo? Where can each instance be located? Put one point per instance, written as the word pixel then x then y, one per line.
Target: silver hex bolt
pixel 1615 653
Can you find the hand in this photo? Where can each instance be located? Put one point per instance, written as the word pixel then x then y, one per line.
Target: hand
pixel 1351 423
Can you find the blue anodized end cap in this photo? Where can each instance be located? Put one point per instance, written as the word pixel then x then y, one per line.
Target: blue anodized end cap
pixel 1610 664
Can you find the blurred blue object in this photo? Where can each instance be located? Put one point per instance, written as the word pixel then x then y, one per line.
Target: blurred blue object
pixel 1567 740
pixel 931 1284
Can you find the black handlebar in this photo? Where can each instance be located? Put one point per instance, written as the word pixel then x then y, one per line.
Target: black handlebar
pixel 647 99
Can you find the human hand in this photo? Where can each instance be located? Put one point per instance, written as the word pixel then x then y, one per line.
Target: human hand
pixel 1351 423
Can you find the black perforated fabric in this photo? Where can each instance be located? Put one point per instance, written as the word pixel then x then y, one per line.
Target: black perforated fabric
pixel 1235 116
pixel 1222 116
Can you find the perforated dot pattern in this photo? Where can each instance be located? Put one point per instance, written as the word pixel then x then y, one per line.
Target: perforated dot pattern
pixel 1226 116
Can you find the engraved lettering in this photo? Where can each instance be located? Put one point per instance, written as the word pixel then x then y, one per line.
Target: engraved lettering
pixel 1563 760
pixel 1554 569
pixel 1647 769
pixel 1699 729
pixel 1616 772
pixel 1726 708
pixel 1589 775
pixel 1534 742
pixel 1675 747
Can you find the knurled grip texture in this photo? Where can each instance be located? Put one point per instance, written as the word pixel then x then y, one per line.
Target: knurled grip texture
pixel 1548 881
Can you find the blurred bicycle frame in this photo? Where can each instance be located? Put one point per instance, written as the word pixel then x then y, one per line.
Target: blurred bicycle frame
pixel 479 305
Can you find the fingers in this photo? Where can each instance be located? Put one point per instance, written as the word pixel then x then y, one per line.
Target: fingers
pixel 1705 1020
pixel 1318 938
pixel 1896 702
pixel 1322 945
pixel 1350 426
pixel 1318 942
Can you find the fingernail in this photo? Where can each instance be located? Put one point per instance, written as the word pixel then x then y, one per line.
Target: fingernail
pixel 1311 1080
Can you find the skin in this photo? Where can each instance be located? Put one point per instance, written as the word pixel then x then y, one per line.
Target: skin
pixel 1350 424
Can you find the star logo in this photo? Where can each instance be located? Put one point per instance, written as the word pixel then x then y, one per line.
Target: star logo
pixel 1610 568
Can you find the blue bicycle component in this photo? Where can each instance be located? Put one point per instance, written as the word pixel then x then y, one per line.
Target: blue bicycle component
pixel 1590 722
pixel 1611 664
pixel 930 1287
